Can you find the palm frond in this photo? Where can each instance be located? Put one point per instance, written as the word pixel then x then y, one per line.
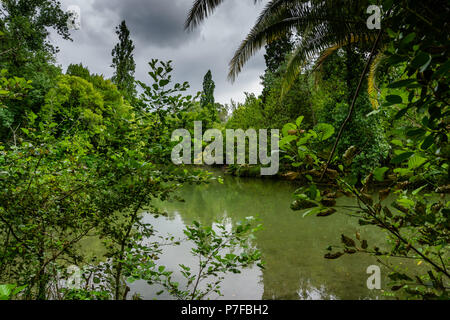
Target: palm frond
pixel 329 51
pixel 282 16
pixel 372 89
pixel 200 10
pixel 277 19
pixel 296 61
pixel 255 40
pixel 274 7
pixel 311 46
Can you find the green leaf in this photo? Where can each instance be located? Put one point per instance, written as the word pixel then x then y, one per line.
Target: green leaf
pixel 163 83
pixel 324 131
pixel 312 192
pixel 415 192
pixel 299 121
pixel 421 60
pixel 397 142
pixel 401 113
pixel 287 140
pixel 394 99
pixel 389 31
pixel 403 171
pixel 6 291
pixel 415 132
pixel 407 203
pixel 402 157
pixel 387 4
pixel 374 112
pixel 396 59
pixel 428 142
pixel 425 66
pixel 416 161
pixel 311 212
pixel 401 83
pixel 378 173
pixel 287 127
pixel 410 37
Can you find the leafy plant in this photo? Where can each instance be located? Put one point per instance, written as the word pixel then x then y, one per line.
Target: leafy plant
pixel 417 220
pixel 9 291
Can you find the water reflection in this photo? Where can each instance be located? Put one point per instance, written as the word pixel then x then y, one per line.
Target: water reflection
pixel 308 292
pixel 292 246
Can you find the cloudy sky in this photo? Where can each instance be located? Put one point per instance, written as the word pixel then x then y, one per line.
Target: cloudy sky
pixel 157 31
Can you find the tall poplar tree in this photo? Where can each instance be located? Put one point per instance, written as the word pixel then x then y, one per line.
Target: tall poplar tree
pixel 123 62
pixel 207 100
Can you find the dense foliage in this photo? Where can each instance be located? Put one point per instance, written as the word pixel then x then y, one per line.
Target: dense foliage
pixel 390 131
pixel 81 158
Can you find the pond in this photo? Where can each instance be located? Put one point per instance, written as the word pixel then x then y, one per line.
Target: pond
pixel 292 246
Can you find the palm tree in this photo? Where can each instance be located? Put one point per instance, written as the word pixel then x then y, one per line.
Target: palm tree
pixel 323 27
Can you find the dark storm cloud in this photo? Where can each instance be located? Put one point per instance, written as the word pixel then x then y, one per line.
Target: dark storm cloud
pixel 157 22
pixel 157 31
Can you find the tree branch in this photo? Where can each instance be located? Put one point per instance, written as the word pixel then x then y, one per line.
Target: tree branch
pixel 352 107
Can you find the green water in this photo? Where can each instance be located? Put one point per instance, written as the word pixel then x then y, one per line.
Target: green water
pixel 292 246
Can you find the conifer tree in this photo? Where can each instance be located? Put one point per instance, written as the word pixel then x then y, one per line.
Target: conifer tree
pixel 207 100
pixel 123 62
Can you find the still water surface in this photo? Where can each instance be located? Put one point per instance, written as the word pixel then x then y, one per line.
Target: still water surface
pixel 292 246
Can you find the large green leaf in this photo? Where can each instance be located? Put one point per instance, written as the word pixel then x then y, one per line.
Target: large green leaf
pixel 324 131
pixel 378 173
pixel 287 127
pixel 393 99
pixel 299 121
pixel 428 142
pixel 402 157
pixel 401 83
pixel 6 291
pixel 416 161
pixel 287 140
pixel 410 37
pixel 422 60
pixel 416 132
